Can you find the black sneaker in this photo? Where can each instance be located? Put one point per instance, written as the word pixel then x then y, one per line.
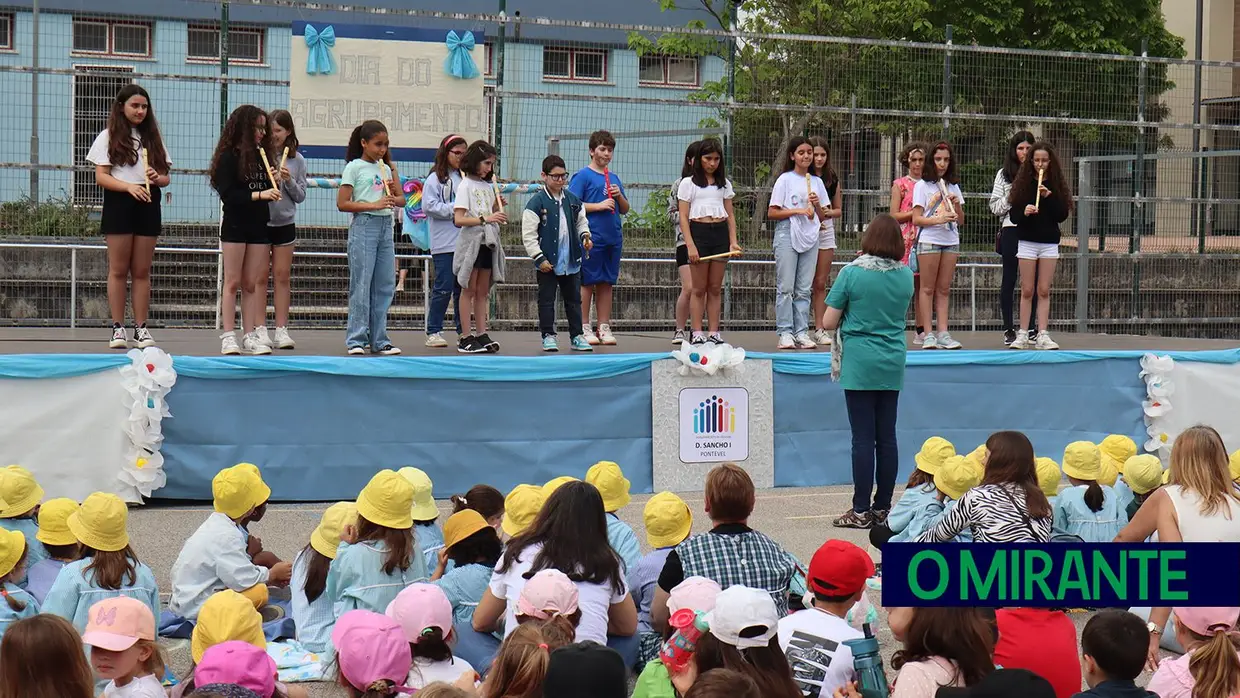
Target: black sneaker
pixel 715 338
pixel 468 345
pixel 1009 336
pixel 1033 335
pixel 489 345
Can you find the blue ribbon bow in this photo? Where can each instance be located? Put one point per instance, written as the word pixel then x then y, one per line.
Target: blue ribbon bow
pixel 459 63
pixel 319 61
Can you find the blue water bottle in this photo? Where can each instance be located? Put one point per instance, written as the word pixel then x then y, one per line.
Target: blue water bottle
pixel 871 681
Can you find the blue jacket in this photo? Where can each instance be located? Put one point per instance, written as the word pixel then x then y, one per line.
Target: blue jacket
pixel 547 236
pixel 1073 516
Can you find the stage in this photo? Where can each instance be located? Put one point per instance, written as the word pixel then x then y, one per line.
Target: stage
pixel 160 423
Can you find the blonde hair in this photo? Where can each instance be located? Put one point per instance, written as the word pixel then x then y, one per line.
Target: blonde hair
pixel 1199 464
pixel 1214 666
pixel 156 664
pixel 440 689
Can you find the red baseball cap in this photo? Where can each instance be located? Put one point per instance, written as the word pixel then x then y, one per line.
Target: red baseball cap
pixel 839 568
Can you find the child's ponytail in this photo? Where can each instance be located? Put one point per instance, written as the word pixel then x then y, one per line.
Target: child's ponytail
pixel 1094 496
pixel 1215 668
pixel 14 603
pixel 365 131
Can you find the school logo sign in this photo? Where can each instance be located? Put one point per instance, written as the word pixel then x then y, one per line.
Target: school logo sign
pixel 714 425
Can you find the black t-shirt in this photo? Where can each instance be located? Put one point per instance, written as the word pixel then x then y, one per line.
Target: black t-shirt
pixel 673 570
pixel 241 212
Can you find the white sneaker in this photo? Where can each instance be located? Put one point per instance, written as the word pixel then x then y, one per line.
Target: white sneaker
pixel 605 336
pixel 821 337
pixel 120 338
pixel 804 342
pixel 260 333
pixel 786 341
pixel 591 338
pixel 919 338
pixel 436 340
pixel 946 341
pixel 252 345
pixel 356 351
pixel 1020 342
pixel 282 340
pixel 1045 342
pixel 930 341
pixel 228 344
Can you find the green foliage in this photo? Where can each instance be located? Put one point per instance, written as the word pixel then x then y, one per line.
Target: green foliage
pixel 52 217
pixel 653 217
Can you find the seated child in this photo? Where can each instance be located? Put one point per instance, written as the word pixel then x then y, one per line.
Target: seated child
pixel 556 482
pixel 668 522
pixel 586 669
pixel 123 648
pixel 918 493
pixel 1042 640
pixel 427 536
pixel 1113 648
pixel 696 593
pixel 610 482
pixel 1210 665
pixel 108 566
pixel 372 655
pixel 215 557
pixel 722 683
pixel 253 544
pixel 237 663
pixel 18 603
pixel 957 475
pixel 61 545
pixel 473 549
pixel 485 500
pixel 311 606
pixel 424 613
pixel 1049 477
pixel 521 507
pixel 1143 475
pixel 1087 509
pixel 1115 450
pixel 550 597
pixel 20 495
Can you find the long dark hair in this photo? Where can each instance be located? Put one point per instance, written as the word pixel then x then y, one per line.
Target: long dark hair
pixel 317 565
pixel 112 569
pixel 691 154
pixel 120 133
pixel 441 169
pixel 484 499
pixel 918 478
pixel 965 636
pixel 1025 186
pixel 285 119
pixel 478 152
pixel 1011 460
pixel 238 137
pixel 431 645
pixel 572 529
pixel 399 542
pixel 44 659
pixel 482 548
pixel 930 171
pixel 708 146
pixel 829 178
pixel 794 143
pixel 1011 161
pixel 365 131
pixel 767 666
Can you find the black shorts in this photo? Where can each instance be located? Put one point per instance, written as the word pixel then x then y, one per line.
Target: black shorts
pixel 485 259
pixel 249 234
pixel 710 238
pixel 282 235
pixel 682 256
pixel 125 215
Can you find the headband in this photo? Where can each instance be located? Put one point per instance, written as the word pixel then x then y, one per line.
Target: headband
pixel 451 137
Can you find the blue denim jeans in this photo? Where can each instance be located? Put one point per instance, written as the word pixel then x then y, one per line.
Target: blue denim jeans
pixel 872 417
pixel 372 280
pixel 445 287
pixel 1168 640
pixel 794 281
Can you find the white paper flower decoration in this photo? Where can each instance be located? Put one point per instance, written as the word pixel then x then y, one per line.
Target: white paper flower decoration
pixel 147 380
pixel 708 359
pixel 1156 408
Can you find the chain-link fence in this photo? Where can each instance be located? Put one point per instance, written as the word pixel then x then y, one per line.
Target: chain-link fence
pixel 1152 145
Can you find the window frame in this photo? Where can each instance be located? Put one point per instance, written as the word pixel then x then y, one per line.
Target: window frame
pixel 82 188
pixel 488 60
pixel 572 64
pixel 7 39
pixel 666 64
pixel 232 31
pixel 110 33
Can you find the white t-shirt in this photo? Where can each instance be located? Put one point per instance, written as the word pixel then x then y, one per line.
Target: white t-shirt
pixel 927 196
pixel 790 192
pixel 594 600
pixel 426 672
pixel 813 641
pixel 133 174
pixel 146 687
pixel 704 202
pixel 475 196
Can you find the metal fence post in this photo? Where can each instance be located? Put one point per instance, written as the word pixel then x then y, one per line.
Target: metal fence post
pixel 72 287
pixel 34 102
pixel 1084 214
pixel 973 297
pixel 1138 177
pixel 553 145
pixel 947 86
pixel 223 65
pixel 426 290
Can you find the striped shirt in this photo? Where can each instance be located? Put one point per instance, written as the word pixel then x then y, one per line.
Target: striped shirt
pixel 75 591
pixel 356 578
pixel 995 513
pixel 313 619
pixel 643 579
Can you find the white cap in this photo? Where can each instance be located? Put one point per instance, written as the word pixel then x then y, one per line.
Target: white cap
pixel 738 608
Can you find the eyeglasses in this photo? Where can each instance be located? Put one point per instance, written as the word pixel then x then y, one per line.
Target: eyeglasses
pixel 558 177
pixel 458 153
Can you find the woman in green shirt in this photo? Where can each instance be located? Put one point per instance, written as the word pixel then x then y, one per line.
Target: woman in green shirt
pixel 867 307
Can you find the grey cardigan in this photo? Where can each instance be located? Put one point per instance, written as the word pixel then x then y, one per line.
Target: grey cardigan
pixel 468 245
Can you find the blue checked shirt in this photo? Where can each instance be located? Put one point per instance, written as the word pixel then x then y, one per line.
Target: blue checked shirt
pixel 356 578
pixel 75 591
pixel 35 552
pixel 313 619
pixel 733 554
pixel 464 587
pixel 622 539
pixel 643 578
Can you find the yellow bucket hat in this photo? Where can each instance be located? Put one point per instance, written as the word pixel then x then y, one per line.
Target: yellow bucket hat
pixel 238 489
pixel 19 491
pixel 387 500
pixel 1233 464
pixel 101 522
pixel 1166 476
pixel 521 507
pixel 668 520
pixel 933 452
pixel 957 476
pixel 1082 460
pixel 54 522
pixel 462 525
pixel 1143 473
pixel 326 537
pixel 226 615
pixel 12 545
pixel 1108 473
pixel 423 508
pixel 554 484
pixel 1049 476
pixel 1117 448
pixel 979 455
pixel 610 482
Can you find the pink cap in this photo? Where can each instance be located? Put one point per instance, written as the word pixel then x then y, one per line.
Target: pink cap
pixel 116 624
pixel 371 647
pixel 420 607
pixel 1207 620
pixel 694 593
pixel 239 663
pixel 548 593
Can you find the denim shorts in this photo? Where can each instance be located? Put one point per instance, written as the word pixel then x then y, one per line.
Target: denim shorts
pixel 930 248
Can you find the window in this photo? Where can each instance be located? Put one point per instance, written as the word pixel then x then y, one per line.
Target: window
pixel 245 44
pixel 94 90
pixel 575 64
pixel 488 96
pixel 668 70
pixel 488 60
pixel 97 36
pixel 6 32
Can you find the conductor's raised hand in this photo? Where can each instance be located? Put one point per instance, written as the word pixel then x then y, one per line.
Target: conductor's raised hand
pixel 139 192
